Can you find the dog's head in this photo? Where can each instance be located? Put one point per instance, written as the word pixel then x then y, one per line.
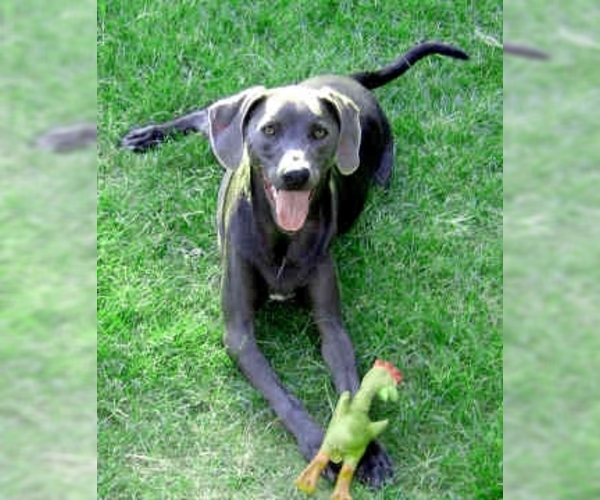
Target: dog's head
pixel 294 135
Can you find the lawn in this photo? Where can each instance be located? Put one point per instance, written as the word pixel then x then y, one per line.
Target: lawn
pixel 551 254
pixel 47 254
pixel 421 273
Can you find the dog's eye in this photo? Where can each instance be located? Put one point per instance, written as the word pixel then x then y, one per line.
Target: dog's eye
pixel 318 132
pixel 269 129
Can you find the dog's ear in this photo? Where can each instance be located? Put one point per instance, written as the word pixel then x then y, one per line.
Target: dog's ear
pixel 226 119
pixel 346 155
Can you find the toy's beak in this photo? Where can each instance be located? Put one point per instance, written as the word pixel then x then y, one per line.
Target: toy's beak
pixel 388 394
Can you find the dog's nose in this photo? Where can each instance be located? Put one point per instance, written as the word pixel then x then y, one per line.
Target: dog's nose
pixel 295 179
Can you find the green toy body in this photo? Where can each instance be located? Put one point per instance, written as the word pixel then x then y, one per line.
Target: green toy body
pixel 351 430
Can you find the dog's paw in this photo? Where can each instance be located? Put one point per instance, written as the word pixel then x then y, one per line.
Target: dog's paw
pixel 142 138
pixel 375 468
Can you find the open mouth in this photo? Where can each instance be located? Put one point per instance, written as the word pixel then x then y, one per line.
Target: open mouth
pixel 289 207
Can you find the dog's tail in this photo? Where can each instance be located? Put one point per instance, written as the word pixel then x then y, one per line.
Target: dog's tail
pixel 375 79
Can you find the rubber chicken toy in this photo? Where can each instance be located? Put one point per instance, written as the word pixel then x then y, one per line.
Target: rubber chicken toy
pixel 351 430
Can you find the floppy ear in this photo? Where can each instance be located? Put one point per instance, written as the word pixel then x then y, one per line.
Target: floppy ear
pixel 346 155
pixel 226 119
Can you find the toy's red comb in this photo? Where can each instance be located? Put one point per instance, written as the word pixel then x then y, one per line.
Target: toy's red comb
pixel 392 370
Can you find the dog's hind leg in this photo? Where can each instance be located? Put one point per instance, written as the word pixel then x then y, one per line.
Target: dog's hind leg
pixel 140 139
pixel 383 173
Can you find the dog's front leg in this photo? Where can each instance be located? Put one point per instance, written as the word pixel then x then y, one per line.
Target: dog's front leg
pixel 140 139
pixel 240 286
pixel 336 345
pixel 375 467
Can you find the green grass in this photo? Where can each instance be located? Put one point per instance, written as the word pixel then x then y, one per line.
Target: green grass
pixel 421 273
pixel 551 249
pixel 47 254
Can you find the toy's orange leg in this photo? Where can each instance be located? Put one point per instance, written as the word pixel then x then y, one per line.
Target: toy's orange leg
pixel 342 486
pixel 307 481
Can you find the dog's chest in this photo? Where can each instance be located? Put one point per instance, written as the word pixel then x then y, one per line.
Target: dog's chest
pixel 286 271
pixel 285 263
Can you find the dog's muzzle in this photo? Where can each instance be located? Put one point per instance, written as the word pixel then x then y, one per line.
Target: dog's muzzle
pixel 290 206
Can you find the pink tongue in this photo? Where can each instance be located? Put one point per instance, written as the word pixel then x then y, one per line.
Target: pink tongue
pixel 291 208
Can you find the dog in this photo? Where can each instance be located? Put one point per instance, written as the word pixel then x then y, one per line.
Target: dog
pixel 298 162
